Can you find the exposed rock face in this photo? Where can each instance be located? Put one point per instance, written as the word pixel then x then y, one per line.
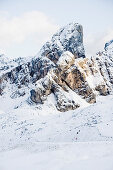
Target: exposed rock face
pixel 43 89
pixel 6 63
pixel 76 80
pixel 105 62
pixel 64 102
pixel 93 76
pixel 46 86
pixel 61 67
pixel 68 38
pixel 53 83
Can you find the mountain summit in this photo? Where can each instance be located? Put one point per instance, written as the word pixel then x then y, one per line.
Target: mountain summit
pixel 57 103
pixel 61 68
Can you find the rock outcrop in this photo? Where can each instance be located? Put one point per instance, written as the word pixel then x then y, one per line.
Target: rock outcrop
pixel 105 62
pixel 53 83
pixel 60 67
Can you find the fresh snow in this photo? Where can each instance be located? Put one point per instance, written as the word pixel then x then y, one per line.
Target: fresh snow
pixel 59 156
pixel 39 137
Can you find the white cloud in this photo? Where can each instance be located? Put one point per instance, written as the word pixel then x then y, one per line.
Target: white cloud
pixel 95 42
pixel 17 29
pixel 24 35
pixel 108 36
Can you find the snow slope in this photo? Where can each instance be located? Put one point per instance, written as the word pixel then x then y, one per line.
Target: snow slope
pixel 66 156
pixel 43 123
pixel 6 64
pixel 40 137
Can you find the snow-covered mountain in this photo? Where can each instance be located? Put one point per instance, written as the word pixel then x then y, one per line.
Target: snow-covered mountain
pixel 61 68
pixel 55 99
pixel 6 64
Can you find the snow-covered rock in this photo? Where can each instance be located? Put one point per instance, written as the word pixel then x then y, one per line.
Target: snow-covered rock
pixel 38 135
pixel 68 38
pixel 6 64
pixel 66 60
pixel 105 62
pixel 61 66
pixel 61 51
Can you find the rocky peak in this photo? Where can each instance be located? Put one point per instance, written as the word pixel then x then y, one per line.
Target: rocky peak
pixel 61 68
pixel 7 64
pixel 4 62
pixel 109 50
pixel 105 62
pixel 108 45
pixel 68 38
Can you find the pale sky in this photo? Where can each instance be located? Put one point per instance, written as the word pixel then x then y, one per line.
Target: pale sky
pixel 25 25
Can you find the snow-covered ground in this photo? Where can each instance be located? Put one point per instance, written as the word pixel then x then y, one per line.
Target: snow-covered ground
pixel 59 156
pixel 41 138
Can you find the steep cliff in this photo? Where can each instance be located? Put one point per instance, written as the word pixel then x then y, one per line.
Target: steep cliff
pixel 62 68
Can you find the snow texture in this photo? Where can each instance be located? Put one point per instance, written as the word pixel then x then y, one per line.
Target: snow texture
pixel 35 136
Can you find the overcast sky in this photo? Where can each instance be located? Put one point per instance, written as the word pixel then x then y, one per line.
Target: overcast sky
pixel 26 24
